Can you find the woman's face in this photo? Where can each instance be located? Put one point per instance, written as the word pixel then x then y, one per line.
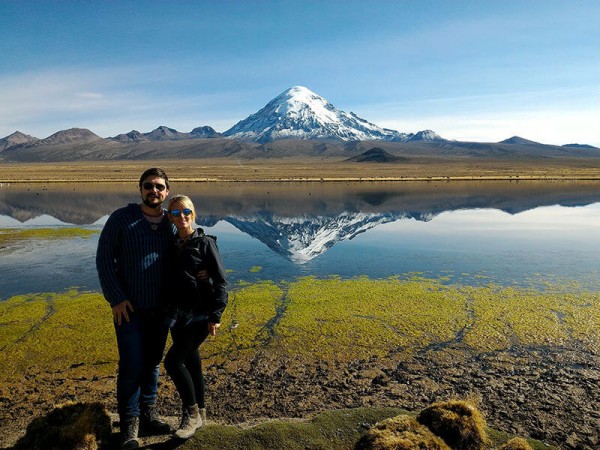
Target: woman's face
pixel 180 216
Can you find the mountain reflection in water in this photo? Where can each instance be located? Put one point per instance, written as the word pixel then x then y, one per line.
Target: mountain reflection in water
pixel 267 224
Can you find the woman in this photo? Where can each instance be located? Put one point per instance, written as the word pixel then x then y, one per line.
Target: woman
pixel 195 307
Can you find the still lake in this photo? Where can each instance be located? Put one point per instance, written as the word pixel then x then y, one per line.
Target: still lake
pixel 511 233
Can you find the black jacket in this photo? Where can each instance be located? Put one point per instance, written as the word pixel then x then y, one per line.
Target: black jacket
pixel 184 290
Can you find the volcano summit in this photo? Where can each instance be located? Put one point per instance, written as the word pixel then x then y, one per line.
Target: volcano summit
pixel 299 113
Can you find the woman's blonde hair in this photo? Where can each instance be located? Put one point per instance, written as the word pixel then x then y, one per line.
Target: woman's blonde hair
pixel 185 201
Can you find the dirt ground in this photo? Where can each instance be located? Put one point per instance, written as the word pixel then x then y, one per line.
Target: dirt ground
pixel 544 393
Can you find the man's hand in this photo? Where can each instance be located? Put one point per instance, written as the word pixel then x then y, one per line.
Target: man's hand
pixel 212 328
pixel 121 310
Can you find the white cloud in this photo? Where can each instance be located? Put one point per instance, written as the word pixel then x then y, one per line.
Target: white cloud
pixel 551 117
pixel 545 126
pixel 108 101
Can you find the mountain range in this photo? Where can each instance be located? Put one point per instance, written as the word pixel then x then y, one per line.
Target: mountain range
pixel 298 122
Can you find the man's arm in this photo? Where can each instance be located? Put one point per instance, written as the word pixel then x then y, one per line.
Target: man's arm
pixel 109 245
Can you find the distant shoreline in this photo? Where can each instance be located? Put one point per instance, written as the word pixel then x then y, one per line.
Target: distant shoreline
pixel 315 180
pixel 297 170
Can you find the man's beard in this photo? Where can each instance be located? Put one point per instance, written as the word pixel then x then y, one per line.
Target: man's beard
pixel 146 202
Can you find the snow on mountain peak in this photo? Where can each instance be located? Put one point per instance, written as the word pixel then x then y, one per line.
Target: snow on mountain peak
pixel 299 113
pixel 301 103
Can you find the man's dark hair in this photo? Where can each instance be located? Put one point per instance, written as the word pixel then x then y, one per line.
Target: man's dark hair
pixel 155 172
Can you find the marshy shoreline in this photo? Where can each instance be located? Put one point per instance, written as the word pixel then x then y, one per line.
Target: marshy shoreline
pixel 544 395
pixel 528 358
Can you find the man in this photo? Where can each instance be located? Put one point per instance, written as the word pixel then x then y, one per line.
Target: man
pixel 130 263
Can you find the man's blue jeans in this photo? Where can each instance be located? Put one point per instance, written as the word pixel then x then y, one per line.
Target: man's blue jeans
pixel 141 343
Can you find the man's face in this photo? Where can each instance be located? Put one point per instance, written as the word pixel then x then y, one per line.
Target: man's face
pixel 154 191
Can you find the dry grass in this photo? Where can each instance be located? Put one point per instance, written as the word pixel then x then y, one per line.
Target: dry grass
pixel 400 433
pixel 457 422
pixel 305 169
pixel 516 444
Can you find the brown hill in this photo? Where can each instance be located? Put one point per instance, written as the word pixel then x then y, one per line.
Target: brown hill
pixel 377 155
pixel 17 138
pixel 77 144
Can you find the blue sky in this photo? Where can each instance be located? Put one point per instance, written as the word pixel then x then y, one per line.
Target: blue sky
pixel 470 70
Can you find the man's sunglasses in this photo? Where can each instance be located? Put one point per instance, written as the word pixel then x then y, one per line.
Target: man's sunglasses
pixel 149 186
pixel 176 212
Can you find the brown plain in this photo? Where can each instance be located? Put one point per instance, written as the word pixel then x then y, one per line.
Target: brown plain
pixel 306 169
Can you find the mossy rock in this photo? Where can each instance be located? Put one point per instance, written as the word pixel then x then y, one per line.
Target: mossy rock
pixel 400 433
pixel 459 423
pixel 83 426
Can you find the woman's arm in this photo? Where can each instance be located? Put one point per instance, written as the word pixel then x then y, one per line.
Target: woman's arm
pixel 219 280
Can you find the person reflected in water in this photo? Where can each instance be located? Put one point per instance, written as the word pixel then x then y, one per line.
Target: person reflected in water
pixel 131 263
pixel 195 306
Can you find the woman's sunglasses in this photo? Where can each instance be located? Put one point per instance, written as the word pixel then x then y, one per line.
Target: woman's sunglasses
pixel 176 212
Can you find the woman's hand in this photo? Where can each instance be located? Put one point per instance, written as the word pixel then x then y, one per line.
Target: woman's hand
pixel 202 275
pixel 212 328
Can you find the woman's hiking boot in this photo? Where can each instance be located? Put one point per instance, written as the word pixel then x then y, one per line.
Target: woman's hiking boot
pixel 190 422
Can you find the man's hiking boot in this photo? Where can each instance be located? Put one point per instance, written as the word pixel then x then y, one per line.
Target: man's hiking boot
pixel 190 422
pixel 129 433
pixel 151 423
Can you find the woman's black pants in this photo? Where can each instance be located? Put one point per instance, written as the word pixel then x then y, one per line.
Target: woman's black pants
pixel 183 362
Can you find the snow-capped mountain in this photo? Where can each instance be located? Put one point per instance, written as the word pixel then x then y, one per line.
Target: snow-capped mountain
pixel 299 113
pixel 303 238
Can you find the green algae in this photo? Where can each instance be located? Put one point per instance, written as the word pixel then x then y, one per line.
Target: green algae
pixel 18 316
pixel 12 235
pixel 69 329
pixel 245 321
pixel 337 319
pixel 504 317
pixel 331 319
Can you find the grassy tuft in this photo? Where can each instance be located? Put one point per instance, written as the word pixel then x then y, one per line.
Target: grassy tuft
pixel 516 444
pixel 74 425
pixel 457 422
pixel 400 433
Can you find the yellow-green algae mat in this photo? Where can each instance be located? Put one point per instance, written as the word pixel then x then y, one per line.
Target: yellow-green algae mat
pixel 12 235
pixel 320 319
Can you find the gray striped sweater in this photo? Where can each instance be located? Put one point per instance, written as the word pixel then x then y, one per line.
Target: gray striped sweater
pixel 131 257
